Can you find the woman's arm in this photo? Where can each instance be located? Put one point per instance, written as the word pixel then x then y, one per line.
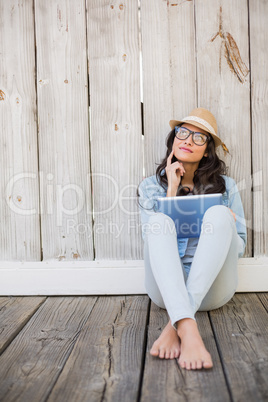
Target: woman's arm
pixel 148 192
pixel 236 206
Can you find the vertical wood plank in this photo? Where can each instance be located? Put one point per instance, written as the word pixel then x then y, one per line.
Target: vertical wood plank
pixel 258 11
pixel 66 214
pixel 30 366
pixel 116 140
pixel 106 362
pixel 224 85
pixel 169 87
pixel 240 328
pixel 19 202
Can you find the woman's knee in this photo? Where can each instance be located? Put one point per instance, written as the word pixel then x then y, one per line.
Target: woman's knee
pixel 159 223
pixel 218 215
pixel 160 217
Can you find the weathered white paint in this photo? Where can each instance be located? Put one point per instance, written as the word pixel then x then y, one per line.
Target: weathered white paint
pixel 224 85
pixel 19 228
pixel 103 277
pixel 116 137
pixel 185 64
pixel 258 11
pixel 169 82
pixel 64 159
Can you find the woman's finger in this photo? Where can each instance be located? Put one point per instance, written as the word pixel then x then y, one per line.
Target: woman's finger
pixel 169 158
pixel 177 165
pixel 178 171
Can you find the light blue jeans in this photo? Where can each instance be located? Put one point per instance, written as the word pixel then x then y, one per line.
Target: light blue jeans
pixel 213 277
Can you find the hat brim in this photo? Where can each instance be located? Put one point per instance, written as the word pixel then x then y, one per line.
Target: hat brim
pixel 174 123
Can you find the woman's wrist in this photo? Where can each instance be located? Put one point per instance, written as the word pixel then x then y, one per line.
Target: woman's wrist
pixel 172 191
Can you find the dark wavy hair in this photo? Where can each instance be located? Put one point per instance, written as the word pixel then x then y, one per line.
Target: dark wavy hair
pixel 208 176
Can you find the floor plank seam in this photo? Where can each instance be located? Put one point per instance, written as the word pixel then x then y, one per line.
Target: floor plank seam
pixel 20 328
pixel 145 343
pixel 76 337
pixel 221 358
pixel 260 299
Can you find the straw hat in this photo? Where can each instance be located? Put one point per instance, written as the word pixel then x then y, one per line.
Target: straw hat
pixel 202 118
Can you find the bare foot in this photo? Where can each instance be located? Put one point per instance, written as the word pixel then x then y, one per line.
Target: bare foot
pixel 167 345
pixel 194 354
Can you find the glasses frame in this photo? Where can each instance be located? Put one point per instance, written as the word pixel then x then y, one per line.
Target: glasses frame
pixel 191 132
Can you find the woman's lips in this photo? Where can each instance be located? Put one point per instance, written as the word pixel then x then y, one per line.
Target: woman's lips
pixel 186 150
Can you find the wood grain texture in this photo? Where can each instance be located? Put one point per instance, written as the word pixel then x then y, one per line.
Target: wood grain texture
pixel 19 201
pixel 106 362
pixel 59 158
pixel 30 366
pixel 258 11
pixel 116 138
pixel 169 85
pixel 241 331
pixel 83 349
pixel 164 380
pixel 224 86
pixel 64 159
pixel 14 314
pixel 263 297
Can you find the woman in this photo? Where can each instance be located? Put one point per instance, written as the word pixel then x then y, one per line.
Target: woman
pixel 197 274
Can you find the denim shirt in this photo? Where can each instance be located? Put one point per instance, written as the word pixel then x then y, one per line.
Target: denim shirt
pixel 150 190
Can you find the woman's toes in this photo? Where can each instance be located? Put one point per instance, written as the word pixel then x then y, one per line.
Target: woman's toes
pixel 172 354
pixel 167 354
pixel 162 353
pixel 207 361
pixel 154 351
pixel 199 364
pixel 177 353
pixel 193 365
pixel 188 365
pixel 181 363
pixel 207 364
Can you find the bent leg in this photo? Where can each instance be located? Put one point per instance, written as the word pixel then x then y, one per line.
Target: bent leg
pixel 150 283
pixel 161 249
pixel 165 277
pixel 213 276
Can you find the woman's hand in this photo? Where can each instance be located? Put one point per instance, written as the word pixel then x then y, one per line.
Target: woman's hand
pixel 174 171
pixel 233 214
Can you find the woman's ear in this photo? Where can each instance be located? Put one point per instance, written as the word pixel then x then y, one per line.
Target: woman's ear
pixel 206 155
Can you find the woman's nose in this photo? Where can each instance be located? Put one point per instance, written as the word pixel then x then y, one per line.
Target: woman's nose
pixel 189 140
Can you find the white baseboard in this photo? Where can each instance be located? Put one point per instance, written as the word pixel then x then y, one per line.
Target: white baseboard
pixel 102 277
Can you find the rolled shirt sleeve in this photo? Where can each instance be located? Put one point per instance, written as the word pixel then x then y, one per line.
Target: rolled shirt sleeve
pixel 149 191
pixel 235 204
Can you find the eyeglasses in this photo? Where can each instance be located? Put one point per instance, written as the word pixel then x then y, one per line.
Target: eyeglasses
pixel 182 133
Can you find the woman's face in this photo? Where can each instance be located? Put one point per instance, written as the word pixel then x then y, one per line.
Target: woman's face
pixel 187 150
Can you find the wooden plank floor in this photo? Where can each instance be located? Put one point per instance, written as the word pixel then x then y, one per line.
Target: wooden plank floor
pixel 97 349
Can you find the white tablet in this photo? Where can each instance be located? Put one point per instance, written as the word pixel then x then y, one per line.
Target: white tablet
pixel 187 211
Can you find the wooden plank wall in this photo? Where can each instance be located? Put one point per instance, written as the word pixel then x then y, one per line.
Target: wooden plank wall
pixel 63 130
pixel 57 59
pixel 116 141
pixel 19 231
pixel 258 12
pixel 169 88
pixel 224 85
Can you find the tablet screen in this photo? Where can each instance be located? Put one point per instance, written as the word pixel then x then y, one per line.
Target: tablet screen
pixel 187 212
